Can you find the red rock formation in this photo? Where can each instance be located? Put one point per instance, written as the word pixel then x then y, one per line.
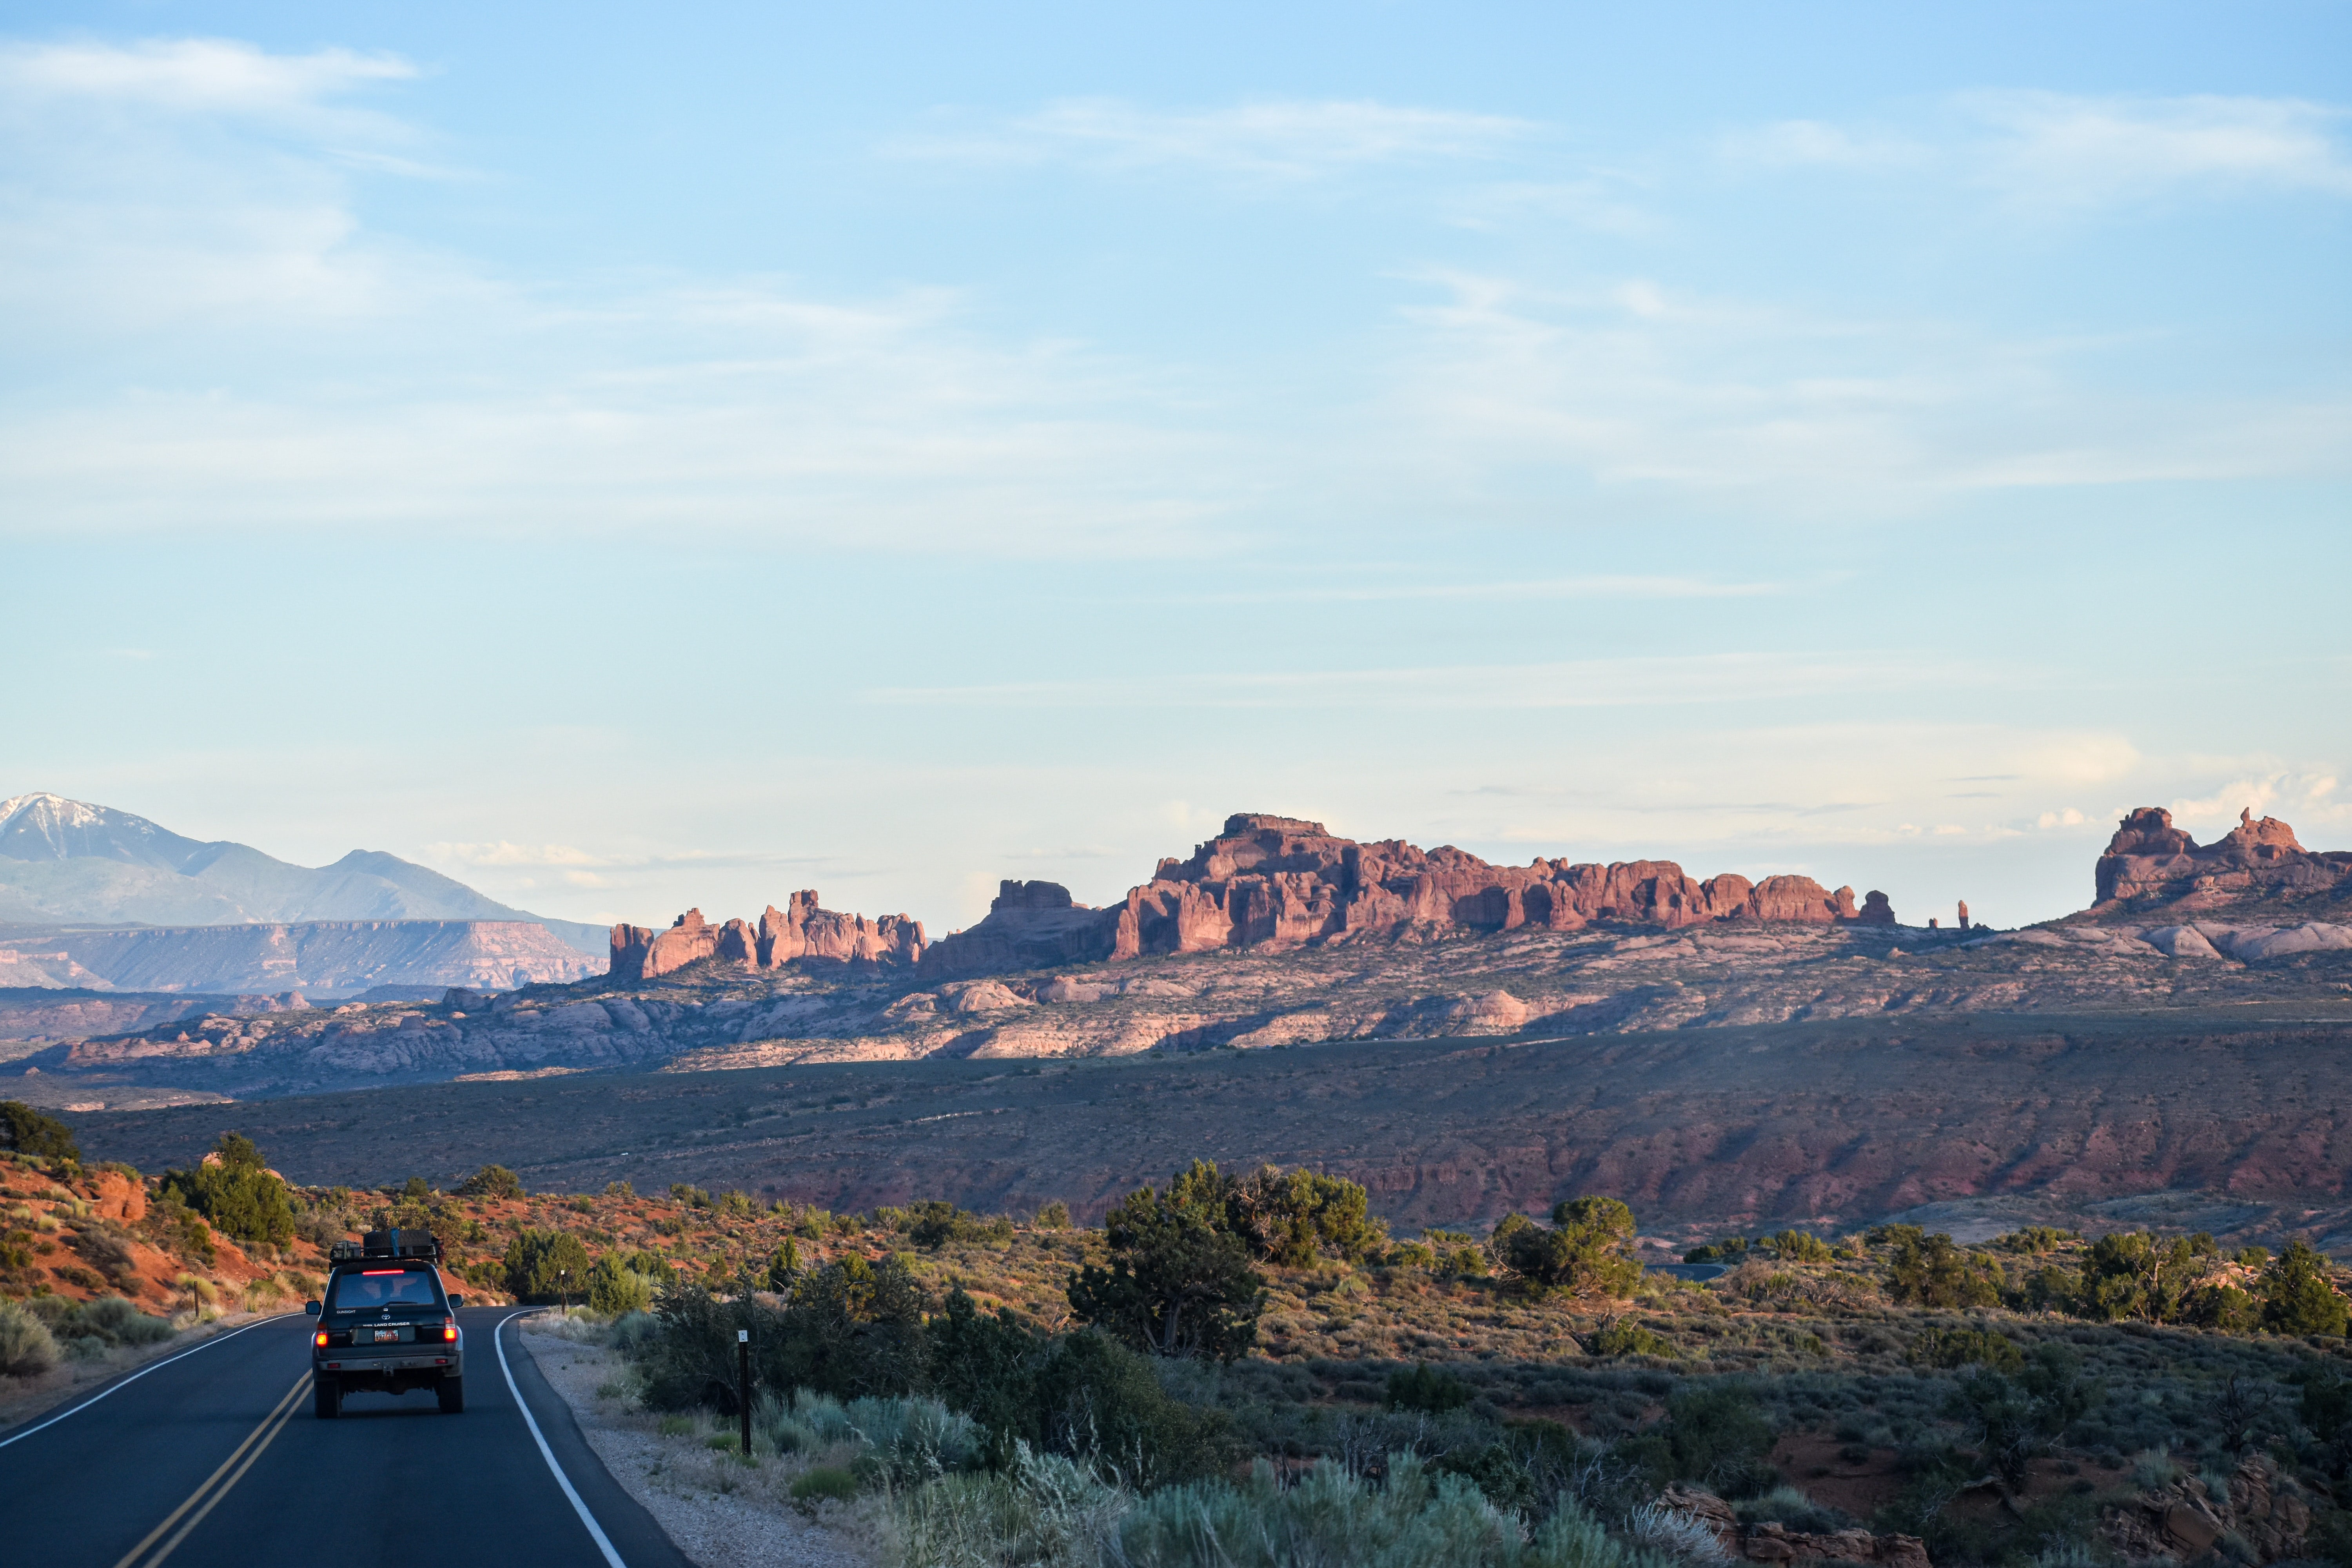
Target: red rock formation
pixel 1029 925
pixel 639 953
pixel 1279 881
pixel 800 930
pixel 1282 881
pixel 120 1197
pixel 2149 862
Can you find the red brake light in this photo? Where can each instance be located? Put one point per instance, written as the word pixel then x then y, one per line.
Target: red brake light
pixel 448 1328
pixel 319 1339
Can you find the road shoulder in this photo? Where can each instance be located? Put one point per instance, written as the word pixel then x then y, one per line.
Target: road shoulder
pixel 717 1512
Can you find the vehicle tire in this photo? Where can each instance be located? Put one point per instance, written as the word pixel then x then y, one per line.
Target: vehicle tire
pixel 326 1396
pixel 452 1391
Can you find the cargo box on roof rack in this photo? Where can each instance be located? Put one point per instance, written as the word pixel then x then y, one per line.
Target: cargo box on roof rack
pixel 418 1244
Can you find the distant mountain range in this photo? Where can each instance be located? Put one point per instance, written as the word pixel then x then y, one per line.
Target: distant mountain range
pixel 68 863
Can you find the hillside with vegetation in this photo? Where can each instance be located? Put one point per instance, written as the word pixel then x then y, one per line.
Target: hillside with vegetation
pixel 1256 1347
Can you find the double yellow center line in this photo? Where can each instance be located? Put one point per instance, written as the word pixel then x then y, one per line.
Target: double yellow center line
pixel 206 1496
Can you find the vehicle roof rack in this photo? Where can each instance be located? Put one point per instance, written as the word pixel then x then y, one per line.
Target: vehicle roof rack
pixel 416 1243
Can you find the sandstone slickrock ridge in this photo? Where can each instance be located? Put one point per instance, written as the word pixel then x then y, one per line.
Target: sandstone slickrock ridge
pixel 2150 865
pixel 800 929
pixel 48 1015
pixel 1277 882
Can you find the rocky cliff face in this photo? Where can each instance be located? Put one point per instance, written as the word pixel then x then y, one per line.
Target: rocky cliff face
pixel 2151 867
pixel 44 1015
pixel 800 929
pixel 1278 882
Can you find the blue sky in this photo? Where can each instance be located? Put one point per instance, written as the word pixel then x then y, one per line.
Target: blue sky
pixel 629 459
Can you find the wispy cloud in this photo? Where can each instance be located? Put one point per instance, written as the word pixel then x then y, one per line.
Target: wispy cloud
pixel 2054 150
pixel 212 77
pixel 2057 149
pixel 1604 203
pixel 502 853
pixel 1281 139
pixel 1533 588
pixel 1582 683
pixel 1814 142
pixel 1638 382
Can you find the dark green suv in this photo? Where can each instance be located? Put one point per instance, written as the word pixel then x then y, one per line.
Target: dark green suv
pixel 387 1325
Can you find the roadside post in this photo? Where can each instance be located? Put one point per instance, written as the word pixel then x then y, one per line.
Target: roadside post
pixel 743 1384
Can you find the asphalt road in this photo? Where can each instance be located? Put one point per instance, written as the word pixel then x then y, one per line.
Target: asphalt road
pixel 215 1460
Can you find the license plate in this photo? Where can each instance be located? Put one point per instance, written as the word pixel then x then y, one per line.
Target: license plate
pixel 379 1336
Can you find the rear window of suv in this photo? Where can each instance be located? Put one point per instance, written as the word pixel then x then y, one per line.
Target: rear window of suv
pixel 367 1289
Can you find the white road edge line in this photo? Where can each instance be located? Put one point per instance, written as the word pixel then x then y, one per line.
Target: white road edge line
pixel 498 1337
pixel 152 1366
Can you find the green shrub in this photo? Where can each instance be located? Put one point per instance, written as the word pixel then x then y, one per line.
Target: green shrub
pixel 1727 1249
pixel 1628 1339
pixel 2009 1421
pixel 119 1322
pixel 1084 1395
pixel 851 1329
pixel 1418 1520
pixel 2036 1240
pixel 1719 1438
pixel 932 1224
pixel 1585 1253
pixel 1176 1285
pixel 1799 1246
pixel 2297 1298
pixel 1055 1216
pixel 1427 1388
pixel 30 1132
pixel 1096 1400
pixel 2136 1273
pixel 2222 1307
pixel 2325 1403
pixel 1933 1271
pixel 615 1289
pixel 2331 1538
pixel 26 1346
pixel 547 1265
pixel 1291 1218
pixel 236 1193
pixel 1966 1347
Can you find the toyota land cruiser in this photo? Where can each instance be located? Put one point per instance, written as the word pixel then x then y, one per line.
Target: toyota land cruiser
pixel 386 1325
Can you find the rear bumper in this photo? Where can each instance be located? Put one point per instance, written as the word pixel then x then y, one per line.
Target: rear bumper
pixel 446 1361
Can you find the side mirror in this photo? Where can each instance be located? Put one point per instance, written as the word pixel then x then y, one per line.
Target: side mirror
pixel 456 1301
pixel 311 1308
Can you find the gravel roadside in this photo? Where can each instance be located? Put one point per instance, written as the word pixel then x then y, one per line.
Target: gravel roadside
pixel 721 1513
